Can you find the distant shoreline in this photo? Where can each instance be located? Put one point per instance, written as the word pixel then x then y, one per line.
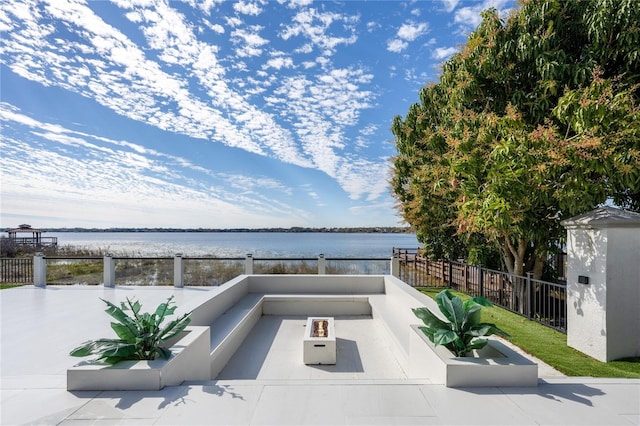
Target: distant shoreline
pixel 361 230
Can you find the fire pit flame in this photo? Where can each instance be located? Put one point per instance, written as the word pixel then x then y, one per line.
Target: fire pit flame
pixel 320 328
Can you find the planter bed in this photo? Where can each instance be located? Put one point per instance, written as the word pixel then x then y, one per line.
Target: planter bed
pixel 494 365
pixel 189 361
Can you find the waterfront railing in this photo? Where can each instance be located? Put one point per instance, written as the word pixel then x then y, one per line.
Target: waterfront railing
pixel 538 300
pixel 175 270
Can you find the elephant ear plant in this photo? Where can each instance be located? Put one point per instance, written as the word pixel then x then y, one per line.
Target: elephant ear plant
pixel 463 327
pixel 141 336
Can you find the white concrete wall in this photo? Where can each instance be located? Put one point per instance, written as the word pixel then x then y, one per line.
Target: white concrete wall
pixel 603 317
pixel 587 304
pixel 223 298
pixel 318 284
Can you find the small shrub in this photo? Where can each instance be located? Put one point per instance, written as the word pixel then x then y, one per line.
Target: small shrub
pixel 464 324
pixel 141 336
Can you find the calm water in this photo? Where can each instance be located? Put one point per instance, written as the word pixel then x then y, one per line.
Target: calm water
pixel 238 244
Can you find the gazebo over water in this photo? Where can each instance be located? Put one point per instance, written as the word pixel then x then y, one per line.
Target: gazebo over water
pixel 36 239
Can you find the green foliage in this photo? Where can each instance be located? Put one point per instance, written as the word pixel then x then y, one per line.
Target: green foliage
pixel 535 120
pixel 141 336
pixel 461 334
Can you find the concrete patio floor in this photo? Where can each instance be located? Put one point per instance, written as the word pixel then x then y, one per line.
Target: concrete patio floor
pixel 266 382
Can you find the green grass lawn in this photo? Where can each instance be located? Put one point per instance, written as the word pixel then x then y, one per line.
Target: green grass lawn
pixel 550 345
pixel 5 285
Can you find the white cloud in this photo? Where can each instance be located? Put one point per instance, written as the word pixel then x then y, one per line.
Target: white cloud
pixel 412 31
pixel 406 33
pixel 314 25
pixel 250 42
pixel 179 83
pixel 449 5
pixel 215 27
pixel 279 63
pixel 233 21
pixel 469 17
pixel 204 5
pixel 247 8
pixel 397 45
pixel 119 182
pixel 441 53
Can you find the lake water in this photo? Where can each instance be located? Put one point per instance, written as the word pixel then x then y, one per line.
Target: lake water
pixel 239 244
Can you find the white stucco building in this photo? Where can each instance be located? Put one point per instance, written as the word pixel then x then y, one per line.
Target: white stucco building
pixel 603 283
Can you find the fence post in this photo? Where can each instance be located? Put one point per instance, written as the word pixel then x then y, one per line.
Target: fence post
pixel 178 271
pixel 395 265
pixel 481 281
pixel 109 271
pixel 40 270
pixel 248 264
pixel 450 271
pixel 528 295
pixel 466 278
pixel 322 265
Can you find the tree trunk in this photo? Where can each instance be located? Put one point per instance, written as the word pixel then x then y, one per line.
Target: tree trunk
pixel 538 267
pixel 514 256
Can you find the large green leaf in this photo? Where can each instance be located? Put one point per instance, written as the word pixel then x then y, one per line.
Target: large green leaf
pixel 493 329
pixel 479 330
pixel 481 301
pixel 174 328
pixel 429 332
pixel 86 349
pixel 472 315
pixel 477 344
pixel 164 309
pixel 124 331
pixel 118 349
pixel 120 315
pixel 163 352
pixel 442 337
pixel 135 306
pixel 429 318
pixel 451 307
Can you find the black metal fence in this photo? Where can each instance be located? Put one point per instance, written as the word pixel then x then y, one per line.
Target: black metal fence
pixel 16 270
pixel 538 300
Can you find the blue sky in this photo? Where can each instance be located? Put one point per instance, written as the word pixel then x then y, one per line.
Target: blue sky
pixel 213 114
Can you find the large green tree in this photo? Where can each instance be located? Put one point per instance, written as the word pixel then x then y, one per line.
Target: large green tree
pixel 536 119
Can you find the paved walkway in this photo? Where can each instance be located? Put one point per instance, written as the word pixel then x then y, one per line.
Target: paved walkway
pixel 265 384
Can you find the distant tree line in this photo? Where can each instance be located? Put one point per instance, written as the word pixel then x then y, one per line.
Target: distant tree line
pixel 364 230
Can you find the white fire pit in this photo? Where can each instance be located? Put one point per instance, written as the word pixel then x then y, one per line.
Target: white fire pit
pixel 319 345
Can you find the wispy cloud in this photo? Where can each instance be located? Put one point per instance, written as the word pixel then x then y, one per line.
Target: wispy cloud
pixel 441 53
pixel 314 25
pixel 247 8
pixel 105 65
pixel 449 5
pixel 306 86
pixel 93 172
pixel 468 17
pixel 407 32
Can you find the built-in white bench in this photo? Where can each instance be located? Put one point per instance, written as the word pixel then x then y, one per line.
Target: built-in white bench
pixel 387 300
pixel 240 303
pixel 235 307
pixel 230 329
